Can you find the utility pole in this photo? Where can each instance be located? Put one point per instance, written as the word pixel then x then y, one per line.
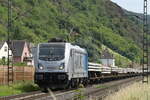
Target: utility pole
pixel 10 47
pixel 145 45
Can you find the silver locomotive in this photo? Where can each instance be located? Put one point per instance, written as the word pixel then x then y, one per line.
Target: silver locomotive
pixel 59 65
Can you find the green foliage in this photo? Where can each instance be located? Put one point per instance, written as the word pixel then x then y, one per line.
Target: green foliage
pixel 3 62
pixel 96 21
pixel 121 45
pixel 79 94
pixel 101 86
pixel 18 88
pixel 120 60
pixel 20 64
pixel 26 86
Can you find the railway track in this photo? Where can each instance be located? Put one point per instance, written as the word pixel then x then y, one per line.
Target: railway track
pixel 110 88
pixel 21 95
pixel 96 92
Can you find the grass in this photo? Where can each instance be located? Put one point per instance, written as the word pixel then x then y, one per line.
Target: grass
pixel 79 95
pixel 18 88
pixel 101 86
pixel 136 91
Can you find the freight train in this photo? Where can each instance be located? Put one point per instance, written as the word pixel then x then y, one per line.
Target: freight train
pixel 64 65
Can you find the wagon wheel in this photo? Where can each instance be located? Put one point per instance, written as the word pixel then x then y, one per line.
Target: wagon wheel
pixel 45 89
pixel 67 85
pixel 73 83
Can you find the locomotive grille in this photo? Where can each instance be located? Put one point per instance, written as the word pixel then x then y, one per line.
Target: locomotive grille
pixel 52 68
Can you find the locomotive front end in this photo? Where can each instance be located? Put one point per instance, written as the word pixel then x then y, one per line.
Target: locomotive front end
pixel 50 65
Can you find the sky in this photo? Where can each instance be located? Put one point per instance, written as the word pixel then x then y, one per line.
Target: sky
pixel 132 5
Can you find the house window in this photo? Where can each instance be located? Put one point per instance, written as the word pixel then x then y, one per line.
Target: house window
pixel 5 49
pixel 25 54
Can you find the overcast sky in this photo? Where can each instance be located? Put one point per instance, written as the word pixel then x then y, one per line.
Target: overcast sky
pixel 132 5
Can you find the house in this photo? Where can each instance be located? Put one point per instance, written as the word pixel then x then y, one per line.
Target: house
pixel 107 58
pixel 21 51
pixel 4 50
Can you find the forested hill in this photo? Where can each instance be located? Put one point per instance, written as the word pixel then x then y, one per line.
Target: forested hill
pixel 90 24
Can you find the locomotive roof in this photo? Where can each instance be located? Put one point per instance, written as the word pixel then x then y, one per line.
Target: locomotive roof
pixel 76 47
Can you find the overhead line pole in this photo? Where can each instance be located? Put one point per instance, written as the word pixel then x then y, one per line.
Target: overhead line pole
pixel 145 45
pixel 9 59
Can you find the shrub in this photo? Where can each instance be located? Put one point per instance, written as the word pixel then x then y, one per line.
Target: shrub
pixel 20 64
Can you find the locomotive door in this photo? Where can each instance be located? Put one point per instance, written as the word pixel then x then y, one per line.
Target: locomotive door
pixel 74 61
pixel 77 63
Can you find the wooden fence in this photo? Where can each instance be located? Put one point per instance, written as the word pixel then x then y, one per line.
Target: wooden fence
pixel 19 73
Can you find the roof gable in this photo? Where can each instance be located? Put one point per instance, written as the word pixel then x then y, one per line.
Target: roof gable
pixel 1 44
pixel 106 55
pixel 18 47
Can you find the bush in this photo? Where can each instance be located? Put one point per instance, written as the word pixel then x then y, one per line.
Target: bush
pixel 18 88
pixel 20 64
pixel 26 86
pixel 3 62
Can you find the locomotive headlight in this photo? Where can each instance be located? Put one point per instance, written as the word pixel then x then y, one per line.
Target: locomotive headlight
pixel 62 66
pixel 40 67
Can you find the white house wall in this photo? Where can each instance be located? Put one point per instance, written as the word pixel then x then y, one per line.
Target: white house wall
pixel 4 53
pixel 108 62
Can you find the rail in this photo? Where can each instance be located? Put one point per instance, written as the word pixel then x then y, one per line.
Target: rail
pixel 96 92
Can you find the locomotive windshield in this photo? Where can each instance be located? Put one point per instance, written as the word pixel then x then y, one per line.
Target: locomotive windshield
pixel 51 52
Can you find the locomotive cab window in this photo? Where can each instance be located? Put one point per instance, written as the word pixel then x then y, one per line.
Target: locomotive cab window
pixel 51 52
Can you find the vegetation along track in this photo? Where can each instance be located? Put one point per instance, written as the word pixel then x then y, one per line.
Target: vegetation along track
pixel 94 92
pixel 24 95
pixel 111 87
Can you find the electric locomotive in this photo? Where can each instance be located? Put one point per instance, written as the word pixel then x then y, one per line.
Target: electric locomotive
pixel 59 65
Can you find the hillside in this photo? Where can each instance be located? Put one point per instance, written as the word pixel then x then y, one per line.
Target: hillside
pixel 89 23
